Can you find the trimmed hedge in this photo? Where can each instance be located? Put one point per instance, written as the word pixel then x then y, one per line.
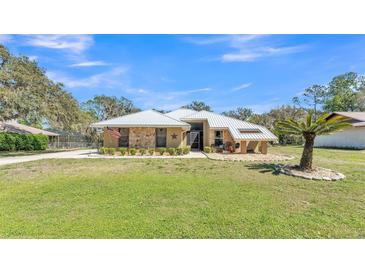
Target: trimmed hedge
pixel 143 151
pixel 15 141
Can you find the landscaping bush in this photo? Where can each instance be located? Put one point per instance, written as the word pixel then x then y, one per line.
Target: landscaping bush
pixel 162 151
pixel 132 151
pixel 171 151
pixel 142 151
pixel 179 151
pixel 15 141
pixel 122 151
pixel 186 150
pixel 151 151
pixel 111 151
pixel 207 149
pixel 102 150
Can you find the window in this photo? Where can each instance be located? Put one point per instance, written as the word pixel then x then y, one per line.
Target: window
pixel 161 137
pixel 250 130
pixel 218 138
pixel 124 137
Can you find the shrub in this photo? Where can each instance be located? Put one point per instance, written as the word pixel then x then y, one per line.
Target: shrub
pixel 162 150
pixel 207 149
pixel 102 150
pixel 132 151
pixel 151 151
pixel 142 151
pixel 122 151
pixel 15 141
pixel 111 151
pixel 40 141
pixel 186 150
pixel 171 151
pixel 179 151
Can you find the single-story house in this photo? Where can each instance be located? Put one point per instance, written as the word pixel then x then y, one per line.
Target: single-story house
pixel 185 127
pixel 15 127
pixel 353 137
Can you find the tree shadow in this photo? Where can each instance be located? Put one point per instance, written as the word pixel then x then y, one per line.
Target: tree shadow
pixel 265 168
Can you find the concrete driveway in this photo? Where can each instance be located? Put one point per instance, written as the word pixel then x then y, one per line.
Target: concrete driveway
pixel 75 154
pixel 84 153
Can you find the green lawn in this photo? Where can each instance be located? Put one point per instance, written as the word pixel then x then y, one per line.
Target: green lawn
pixel 181 198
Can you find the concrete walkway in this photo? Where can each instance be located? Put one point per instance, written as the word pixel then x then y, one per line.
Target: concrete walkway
pixel 85 153
pixel 75 154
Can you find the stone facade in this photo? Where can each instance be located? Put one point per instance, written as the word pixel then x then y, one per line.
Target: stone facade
pixel 146 138
pixel 109 140
pixel 174 137
pixel 141 137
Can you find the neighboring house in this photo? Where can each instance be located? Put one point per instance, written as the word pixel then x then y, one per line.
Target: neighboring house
pixel 353 137
pixel 13 126
pixel 184 127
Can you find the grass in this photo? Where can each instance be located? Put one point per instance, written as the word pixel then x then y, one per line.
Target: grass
pixel 181 198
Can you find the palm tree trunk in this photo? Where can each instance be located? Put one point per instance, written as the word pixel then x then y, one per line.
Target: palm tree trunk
pixel 307 156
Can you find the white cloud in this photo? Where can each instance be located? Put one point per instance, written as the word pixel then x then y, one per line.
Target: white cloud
pixel 74 43
pixel 243 86
pixel 245 48
pixel 216 39
pixel 167 100
pixel 89 64
pixel 106 79
pixel 251 54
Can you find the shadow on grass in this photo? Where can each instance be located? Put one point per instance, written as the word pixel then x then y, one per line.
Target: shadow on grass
pixel 265 168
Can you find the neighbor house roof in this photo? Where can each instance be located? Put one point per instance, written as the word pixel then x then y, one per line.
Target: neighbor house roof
pixel 240 130
pixel 13 126
pixel 357 118
pixel 147 118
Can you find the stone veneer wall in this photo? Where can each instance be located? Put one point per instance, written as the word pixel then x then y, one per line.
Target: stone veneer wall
pixel 170 141
pixel 110 141
pixel 141 137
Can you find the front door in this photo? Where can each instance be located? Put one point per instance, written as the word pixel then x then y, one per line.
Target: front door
pixel 195 140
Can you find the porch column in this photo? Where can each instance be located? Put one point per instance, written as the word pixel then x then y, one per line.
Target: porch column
pixel 263 147
pixel 244 147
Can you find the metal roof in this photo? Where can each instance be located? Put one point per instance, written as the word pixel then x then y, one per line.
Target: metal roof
pixel 13 126
pixel 147 118
pixel 235 126
pixel 180 113
pixel 354 115
pixel 357 118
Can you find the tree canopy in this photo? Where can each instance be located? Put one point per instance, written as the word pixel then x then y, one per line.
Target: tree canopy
pixel 240 113
pixel 29 96
pixel 198 106
pixel 104 107
pixel 346 92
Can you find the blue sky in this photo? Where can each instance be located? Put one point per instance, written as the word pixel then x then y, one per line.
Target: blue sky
pixel 167 71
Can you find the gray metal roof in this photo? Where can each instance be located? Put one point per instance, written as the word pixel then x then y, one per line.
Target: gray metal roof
pixel 180 113
pixel 354 115
pixel 240 130
pixel 147 118
pixel 357 118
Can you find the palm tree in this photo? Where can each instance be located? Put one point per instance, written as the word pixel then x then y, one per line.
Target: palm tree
pixel 309 130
